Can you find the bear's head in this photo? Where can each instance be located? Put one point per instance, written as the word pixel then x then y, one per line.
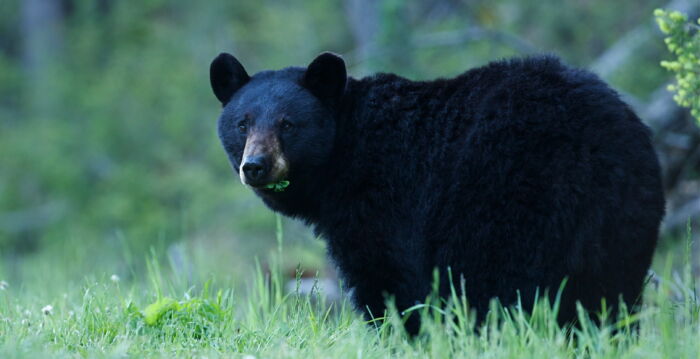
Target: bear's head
pixel 278 126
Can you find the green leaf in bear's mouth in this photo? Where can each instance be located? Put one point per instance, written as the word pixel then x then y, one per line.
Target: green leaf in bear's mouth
pixel 278 187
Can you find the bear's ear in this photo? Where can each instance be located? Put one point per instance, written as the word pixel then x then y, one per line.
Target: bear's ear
pixel 326 77
pixel 227 75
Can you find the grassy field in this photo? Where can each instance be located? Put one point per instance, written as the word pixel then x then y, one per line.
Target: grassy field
pixel 159 310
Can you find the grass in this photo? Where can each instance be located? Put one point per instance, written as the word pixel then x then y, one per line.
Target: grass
pixel 165 314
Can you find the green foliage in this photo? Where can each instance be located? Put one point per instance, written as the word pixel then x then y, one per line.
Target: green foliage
pixel 156 310
pixel 128 148
pixel 196 314
pixel 100 318
pixel 279 186
pixel 683 41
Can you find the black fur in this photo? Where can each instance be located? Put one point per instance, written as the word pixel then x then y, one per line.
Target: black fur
pixel 515 175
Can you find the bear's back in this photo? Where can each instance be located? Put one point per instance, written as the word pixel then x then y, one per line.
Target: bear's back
pixel 526 112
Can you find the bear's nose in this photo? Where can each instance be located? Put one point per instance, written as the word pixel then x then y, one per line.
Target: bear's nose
pixel 254 170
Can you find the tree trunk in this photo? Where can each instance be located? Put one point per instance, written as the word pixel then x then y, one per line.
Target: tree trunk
pixel 363 18
pixel 41 32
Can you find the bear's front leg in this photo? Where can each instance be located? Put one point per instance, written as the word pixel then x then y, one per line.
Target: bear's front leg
pixel 376 274
pixel 371 298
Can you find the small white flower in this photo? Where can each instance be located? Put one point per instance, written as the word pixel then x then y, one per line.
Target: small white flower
pixel 47 310
pixel 248 356
pixel 27 312
pixel 3 285
pixel 114 278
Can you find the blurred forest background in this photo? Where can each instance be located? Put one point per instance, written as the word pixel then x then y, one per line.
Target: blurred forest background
pixel 108 147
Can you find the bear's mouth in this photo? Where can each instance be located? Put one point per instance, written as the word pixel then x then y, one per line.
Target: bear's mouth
pixel 278 186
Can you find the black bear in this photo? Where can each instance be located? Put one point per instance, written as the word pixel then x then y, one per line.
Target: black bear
pixel 515 176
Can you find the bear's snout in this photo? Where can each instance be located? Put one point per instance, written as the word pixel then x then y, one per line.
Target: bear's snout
pixel 263 161
pixel 255 170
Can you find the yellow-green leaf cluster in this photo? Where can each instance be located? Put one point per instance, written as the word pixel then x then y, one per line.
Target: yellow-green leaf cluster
pixel 683 41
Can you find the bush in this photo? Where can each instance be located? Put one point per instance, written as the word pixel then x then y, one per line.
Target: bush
pixel 683 41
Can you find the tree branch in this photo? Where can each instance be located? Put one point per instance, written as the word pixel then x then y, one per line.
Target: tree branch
pixel 619 53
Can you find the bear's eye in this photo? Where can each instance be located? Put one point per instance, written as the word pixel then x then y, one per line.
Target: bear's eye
pixel 243 126
pixel 285 125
